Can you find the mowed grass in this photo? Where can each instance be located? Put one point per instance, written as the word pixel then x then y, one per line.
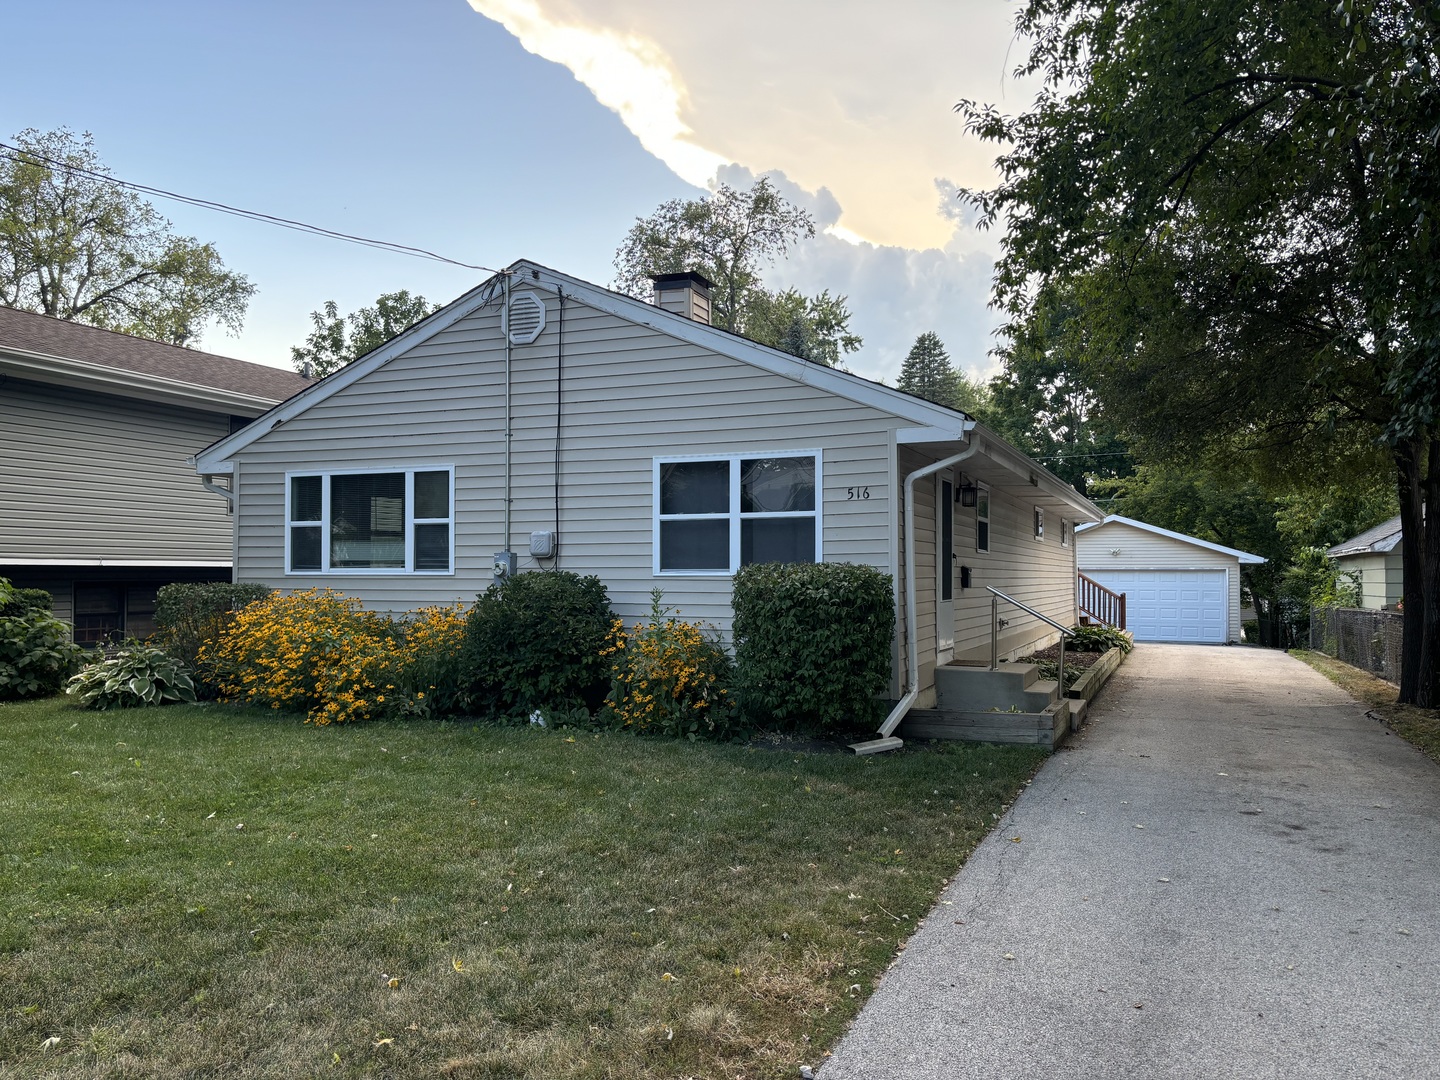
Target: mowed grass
pixel 207 891
pixel 1420 727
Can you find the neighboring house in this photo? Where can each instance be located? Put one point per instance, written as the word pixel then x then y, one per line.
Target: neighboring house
pixel 1374 558
pixel 98 504
pixel 1177 587
pixel 648 448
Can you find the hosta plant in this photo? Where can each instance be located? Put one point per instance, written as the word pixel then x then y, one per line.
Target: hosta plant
pixel 136 675
pixel 1095 638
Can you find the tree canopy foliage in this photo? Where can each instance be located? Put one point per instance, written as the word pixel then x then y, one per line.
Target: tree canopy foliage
pixel 75 245
pixel 731 236
pixel 1236 204
pixel 338 340
pixel 927 372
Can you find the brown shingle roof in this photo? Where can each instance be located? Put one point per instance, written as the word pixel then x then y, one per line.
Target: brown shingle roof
pixel 28 332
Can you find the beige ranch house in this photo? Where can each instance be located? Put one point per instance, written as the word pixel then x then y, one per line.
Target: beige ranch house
pixel 542 422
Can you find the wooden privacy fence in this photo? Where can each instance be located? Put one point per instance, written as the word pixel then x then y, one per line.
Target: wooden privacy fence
pixel 1100 604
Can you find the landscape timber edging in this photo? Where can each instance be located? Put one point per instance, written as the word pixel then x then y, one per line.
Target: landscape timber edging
pixel 1088 685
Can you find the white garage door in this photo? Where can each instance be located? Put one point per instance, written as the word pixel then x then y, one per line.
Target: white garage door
pixel 1171 605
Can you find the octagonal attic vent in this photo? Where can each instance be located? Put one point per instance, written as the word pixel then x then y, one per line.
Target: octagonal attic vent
pixel 524 319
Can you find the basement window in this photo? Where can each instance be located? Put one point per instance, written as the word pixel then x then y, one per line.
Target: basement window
pixel 714 515
pixel 392 522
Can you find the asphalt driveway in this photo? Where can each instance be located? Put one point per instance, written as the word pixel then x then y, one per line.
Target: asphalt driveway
pixel 1233 872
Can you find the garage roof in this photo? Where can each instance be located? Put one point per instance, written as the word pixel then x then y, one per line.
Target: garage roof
pixel 1382 538
pixel 1244 556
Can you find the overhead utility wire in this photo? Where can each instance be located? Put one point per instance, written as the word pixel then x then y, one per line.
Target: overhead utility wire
pixel 18 154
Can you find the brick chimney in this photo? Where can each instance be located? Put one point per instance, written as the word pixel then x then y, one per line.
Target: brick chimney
pixel 685 294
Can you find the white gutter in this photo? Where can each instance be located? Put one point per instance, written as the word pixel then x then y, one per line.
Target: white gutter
pixel 912 648
pixel 82 374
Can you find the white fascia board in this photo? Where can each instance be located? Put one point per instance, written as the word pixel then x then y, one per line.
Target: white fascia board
pixel 842 384
pixel 213 459
pixel 1003 454
pixel 121 382
pixel 41 560
pixel 948 424
pixel 1245 557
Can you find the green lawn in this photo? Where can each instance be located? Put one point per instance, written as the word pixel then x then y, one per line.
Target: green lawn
pixel 213 891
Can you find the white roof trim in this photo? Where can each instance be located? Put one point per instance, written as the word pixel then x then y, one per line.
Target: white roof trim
pixel 1245 557
pixel 947 424
pixel 213 458
pixel 123 382
pixel 46 560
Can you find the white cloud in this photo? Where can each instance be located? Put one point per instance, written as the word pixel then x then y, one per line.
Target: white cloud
pixel 627 72
pixel 855 98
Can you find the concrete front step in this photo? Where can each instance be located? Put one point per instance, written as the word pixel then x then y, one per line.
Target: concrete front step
pixel 961 688
pixel 1047 727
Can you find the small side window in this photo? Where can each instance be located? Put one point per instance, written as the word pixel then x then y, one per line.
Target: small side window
pixel 982 518
pixel 1039 524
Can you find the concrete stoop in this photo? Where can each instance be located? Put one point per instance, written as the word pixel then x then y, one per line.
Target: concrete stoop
pixel 1011 704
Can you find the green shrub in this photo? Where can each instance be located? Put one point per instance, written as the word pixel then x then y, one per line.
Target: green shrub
pixel 136 675
pixel 189 615
pixel 535 642
pixel 812 644
pixel 1100 639
pixel 668 677
pixel 15 601
pixel 36 655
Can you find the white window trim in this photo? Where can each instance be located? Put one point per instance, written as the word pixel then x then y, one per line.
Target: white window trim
pixel 734 513
pixel 1064 532
pixel 982 498
pixel 411 521
pixel 1040 524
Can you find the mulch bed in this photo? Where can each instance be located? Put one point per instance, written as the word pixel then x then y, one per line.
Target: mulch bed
pixel 1081 660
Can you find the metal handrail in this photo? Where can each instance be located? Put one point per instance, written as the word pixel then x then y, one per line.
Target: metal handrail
pixel 995 597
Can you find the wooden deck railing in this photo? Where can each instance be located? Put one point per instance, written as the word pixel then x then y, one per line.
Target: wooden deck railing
pixel 1099 603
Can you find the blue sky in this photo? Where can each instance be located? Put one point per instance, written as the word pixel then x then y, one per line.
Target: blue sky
pixel 436 124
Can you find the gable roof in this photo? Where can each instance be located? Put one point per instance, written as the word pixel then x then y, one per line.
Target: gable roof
pixel 1384 537
pixel 46 349
pixel 932 422
pixel 1245 557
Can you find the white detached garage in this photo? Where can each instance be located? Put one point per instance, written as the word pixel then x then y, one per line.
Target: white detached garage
pixel 1177 587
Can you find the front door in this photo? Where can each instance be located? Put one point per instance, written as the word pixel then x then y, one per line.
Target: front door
pixel 944 567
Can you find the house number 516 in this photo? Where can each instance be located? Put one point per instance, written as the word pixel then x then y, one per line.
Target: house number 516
pixel 856 493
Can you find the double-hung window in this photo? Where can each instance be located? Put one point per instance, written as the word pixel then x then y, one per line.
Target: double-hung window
pixel 717 514
pixel 394 522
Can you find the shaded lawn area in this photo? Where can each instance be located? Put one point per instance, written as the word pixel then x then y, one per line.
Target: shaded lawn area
pixel 203 890
pixel 1420 727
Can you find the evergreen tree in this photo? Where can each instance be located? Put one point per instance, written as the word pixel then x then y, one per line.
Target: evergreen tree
pixel 927 373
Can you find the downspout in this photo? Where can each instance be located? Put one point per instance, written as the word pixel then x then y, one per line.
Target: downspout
pixel 912 648
pixel 223 492
pixel 509 433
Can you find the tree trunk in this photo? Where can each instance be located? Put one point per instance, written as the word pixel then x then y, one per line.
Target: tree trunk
pixel 1418 474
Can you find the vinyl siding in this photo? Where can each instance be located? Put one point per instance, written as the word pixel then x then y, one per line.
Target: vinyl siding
pixel 1142 550
pixel 87 476
pixel 1382 583
pixel 1039 573
pixel 630 394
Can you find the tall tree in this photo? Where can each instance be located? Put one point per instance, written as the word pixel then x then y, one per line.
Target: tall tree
pixel 1044 403
pixel 338 340
pixel 926 371
pixel 75 245
pixel 1240 200
pixel 731 236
